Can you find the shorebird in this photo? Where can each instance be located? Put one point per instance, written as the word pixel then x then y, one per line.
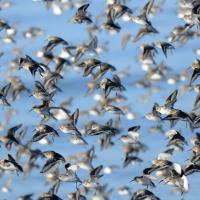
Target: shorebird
pixel 168 106
pixel 10 138
pixel 132 136
pixel 17 86
pixel 31 65
pixel 146 30
pixel 47 111
pixel 71 127
pixel 148 51
pixel 82 49
pixel 144 193
pixel 10 164
pixel 119 10
pixel 41 93
pixel 4 25
pixel 97 129
pixel 69 176
pixel 33 32
pixel 53 41
pixel 7 186
pixel 26 197
pixel 53 159
pixel 81 15
pixel 115 84
pixel 3 94
pixel 144 180
pixel 165 46
pixel 43 130
pixel 143 17
pixel 196 70
pixel 131 160
pixel 110 25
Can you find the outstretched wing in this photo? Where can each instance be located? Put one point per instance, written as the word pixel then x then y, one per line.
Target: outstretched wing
pixel 39 86
pixel 48 165
pixel 83 8
pixel 12 130
pixel 5 89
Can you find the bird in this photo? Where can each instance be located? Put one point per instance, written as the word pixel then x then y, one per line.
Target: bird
pixel 4 25
pixel 119 10
pixel 115 84
pixel 110 25
pixel 81 15
pixel 41 93
pixel 10 138
pixel 53 158
pixel 28 63
pixel 71 127
pixel 26 197
pixel 143 17
pixel 144 180
pixel 53 41
pixel 69 176
pixel 3 94
pixel 131 160
pixel 7 186
pixel 165 46
pixel 10 164
pixel 43 130
pixel 144 193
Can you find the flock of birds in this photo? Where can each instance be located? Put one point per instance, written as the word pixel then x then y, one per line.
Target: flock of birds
pixel 100 127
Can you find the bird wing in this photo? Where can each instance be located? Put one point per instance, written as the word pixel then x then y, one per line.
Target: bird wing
pixel 5 89
pixel 48 165
pixel 12 130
